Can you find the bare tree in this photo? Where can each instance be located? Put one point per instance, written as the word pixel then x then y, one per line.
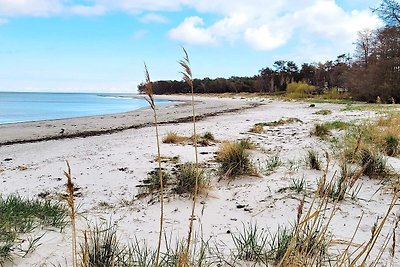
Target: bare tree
pixel 364 46
pixel 389 11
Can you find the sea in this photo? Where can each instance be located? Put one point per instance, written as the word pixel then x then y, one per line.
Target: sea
pixel 32 106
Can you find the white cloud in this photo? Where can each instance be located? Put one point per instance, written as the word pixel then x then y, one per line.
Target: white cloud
pixel 153 18
pixel 191 32
pixel 40 8
pixel 263 38
pixel 264 25
pixel 30 7
pixel 326 19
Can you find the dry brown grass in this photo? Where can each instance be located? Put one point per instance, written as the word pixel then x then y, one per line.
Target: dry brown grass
pixel 150 100
pixel 174 138
pixel 71 204
pixel 188 78
pixel 257 128
pixel 234 159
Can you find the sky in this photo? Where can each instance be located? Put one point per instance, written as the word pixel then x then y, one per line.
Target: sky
pixel 101 45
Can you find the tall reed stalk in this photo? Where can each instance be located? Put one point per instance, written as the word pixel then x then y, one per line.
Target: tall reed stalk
pixel 71 204
pixel 150 100
pixel 188 78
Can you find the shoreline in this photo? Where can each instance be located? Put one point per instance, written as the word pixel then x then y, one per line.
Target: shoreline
pixel 179 110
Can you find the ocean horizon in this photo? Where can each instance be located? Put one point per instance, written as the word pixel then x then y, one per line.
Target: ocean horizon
pixel 38 106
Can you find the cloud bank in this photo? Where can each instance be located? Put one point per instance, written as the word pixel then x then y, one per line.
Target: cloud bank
pixel 261 25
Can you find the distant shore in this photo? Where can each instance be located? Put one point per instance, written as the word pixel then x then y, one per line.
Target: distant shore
pixel 177 111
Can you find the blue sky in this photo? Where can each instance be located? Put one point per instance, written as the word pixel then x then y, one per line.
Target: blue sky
pixel 100 45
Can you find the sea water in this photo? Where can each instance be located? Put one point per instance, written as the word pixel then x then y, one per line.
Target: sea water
pixel 25 107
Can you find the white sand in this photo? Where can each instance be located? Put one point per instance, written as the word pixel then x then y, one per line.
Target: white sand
pixel 96 161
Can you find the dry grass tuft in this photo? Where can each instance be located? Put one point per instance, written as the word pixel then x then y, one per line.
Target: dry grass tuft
pixel 279 122
pixel 323 112
pixel 173 138
pixel 257 128
pixel 234 159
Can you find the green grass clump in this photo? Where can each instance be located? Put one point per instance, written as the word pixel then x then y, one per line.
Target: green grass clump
pixel 186 179
pixel 279 244
pixel 312 160
pixel 272 163
pixel 375 164
pixel 20 216
pixel 323 112
pixel 153 179
pixel 208 136
pixel 324 129
pixel 370 107
pixel 337 125
pixel 320 130
pixel 391 144
pixel 234 159
pixel 102 247
pixel 298 185
pixel 251 244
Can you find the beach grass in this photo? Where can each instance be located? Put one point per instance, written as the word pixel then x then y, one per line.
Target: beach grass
pixel 234 159
pixel 186 178
pixel 20 217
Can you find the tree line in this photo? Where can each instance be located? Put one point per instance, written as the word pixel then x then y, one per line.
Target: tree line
pixel 373 71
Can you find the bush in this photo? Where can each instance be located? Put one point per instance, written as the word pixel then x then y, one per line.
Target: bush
pixel 300 90
pixel 335 94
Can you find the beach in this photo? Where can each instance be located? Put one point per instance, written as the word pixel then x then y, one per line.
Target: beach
pixel 111 155
pixel 103 124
